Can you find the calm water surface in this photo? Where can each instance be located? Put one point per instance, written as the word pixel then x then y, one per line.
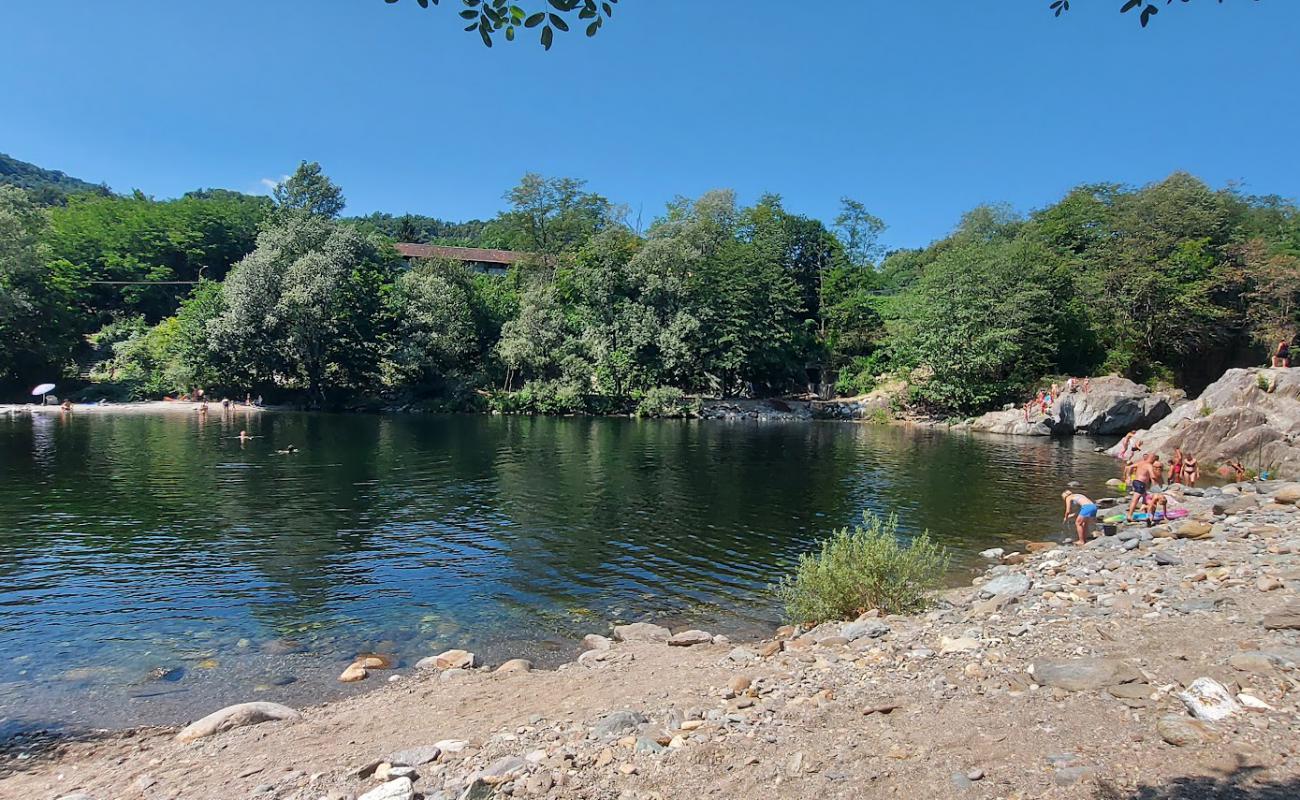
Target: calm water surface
pixel 152 568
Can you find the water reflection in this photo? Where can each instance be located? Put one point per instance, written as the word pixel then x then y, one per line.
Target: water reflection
pixel 131 542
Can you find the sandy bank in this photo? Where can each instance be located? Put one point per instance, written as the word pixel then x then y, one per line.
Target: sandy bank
pixel 143 407
pixel 1058 674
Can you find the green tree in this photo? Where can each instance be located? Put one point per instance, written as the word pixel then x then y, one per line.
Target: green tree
pixel 549 216
pixel 309 190
pixel 305 309
pixel 37 320
pixel 435 332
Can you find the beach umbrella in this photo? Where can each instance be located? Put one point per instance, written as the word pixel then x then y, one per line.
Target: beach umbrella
pixel 42 390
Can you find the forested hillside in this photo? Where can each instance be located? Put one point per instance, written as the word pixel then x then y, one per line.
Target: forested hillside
pixel 1170 282
pixel 46 186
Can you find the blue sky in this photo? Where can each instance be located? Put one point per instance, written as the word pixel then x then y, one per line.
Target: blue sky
pixel 919 109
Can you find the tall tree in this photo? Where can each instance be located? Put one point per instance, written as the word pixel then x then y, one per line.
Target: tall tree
pixel 309 190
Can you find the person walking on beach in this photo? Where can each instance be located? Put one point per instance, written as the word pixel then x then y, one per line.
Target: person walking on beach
pixel 1085 517
pixel 1140 481
pixel 1191 470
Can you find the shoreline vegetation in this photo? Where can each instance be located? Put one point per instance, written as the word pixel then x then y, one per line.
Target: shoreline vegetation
pixel 1160 662
pixel 135 298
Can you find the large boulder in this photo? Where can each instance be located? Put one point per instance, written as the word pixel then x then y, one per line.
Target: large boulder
pixel 1082 674
pixel 1111 406
pixel 1248 414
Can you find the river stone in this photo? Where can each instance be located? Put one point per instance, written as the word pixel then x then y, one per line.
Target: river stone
pixel 1013 584
pixel 1209 700
pixel 1252 661
pixel 617 723
pixel 992 553
pixel 961 644
pixel 1192 529
pixel 515 665
pixel 1286 618
pixel 236 716
pixel 863 629
pixel 689 638
pixel 1181 731
pixel 1083 674
pixel 594 641
pixel 416 756
pixel 1288 494
pixel 455 659
pixel 397 789
pixel 641 632
pixel 354 672
pixel 1167 559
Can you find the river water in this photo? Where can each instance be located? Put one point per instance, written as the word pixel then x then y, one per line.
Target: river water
pixel 153 568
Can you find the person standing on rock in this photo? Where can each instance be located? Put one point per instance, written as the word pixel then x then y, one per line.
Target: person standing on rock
pixel 1086 516
pixel 1140 481
pixel 1176 466
pixel 1191 470
pixel 1282 356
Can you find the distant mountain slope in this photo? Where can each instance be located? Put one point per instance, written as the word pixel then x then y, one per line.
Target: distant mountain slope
pixel 46 185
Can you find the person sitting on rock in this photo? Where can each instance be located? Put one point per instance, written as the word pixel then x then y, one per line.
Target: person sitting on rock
pixel 1156 500
pixel 1142 477
pixel 1085 518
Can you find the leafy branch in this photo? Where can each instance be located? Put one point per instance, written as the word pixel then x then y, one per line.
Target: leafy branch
pixel 492 17
pixel 1148 8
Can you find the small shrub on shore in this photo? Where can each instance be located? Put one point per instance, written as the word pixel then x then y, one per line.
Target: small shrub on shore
pixel 666 401
pixel 863 568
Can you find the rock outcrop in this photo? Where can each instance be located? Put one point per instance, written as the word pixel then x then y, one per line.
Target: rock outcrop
pixel 1248 414
pixel 1111 406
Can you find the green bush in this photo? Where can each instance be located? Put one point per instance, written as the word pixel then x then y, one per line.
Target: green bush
pixel 541 397
pixel 666 401
pixel 861 569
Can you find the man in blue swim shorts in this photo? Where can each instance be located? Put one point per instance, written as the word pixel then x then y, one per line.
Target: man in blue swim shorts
pixel 1086 516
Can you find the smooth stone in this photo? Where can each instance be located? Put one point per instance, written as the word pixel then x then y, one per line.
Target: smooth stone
pixel 961 644
pixel 690 639
pixel 1011 585
pixel 863 629
pixel 1181 731
pixel 503 769
pixel 641 632
pixel 416 756
pixel 353 673
pixel 742 655
pixel 645 744
pixel 455 659
pixel 1286 618
pixel 515 666
pixel 396 789
pixel 594 641
pixel 375 661
pixel 236 716
pixel 1167 559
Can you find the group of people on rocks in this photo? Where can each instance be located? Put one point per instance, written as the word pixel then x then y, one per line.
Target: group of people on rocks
pixel 1043 400
pixel 1144 474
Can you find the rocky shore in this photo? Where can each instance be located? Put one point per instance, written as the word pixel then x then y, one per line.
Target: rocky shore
pixel 1157 663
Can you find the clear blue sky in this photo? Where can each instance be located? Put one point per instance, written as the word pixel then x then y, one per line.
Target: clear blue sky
pixel 919 109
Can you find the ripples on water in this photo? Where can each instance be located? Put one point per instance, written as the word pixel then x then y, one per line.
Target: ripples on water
pixel 133 542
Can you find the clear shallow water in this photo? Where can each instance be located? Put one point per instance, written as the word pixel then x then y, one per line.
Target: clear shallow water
pixel 132 545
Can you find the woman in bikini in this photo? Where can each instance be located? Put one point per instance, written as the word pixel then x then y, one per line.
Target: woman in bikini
pixel 1190 470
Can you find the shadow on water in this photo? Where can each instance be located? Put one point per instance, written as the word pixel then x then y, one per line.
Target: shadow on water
pixel 1240 782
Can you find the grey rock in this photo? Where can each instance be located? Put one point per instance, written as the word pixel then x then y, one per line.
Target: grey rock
pixel 863 629
pixel 477 790
pixel 618 723
pixel 689 638
pixel 645 744
pixel 1167 559
pixel 502 770
pixel 416 756
pixel 1069 776
pixel 1083 674
pixel 1013 584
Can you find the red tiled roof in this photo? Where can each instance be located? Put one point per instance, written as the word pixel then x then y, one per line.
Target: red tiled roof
pixel 483 255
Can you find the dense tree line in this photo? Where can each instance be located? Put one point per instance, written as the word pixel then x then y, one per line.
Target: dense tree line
pixel 1170 282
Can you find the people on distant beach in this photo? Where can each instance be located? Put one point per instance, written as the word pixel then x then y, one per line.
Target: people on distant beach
pixel 1087 384
pixel 65 406
pixel 1176 466
pixel 1085 517
pixel 1233 468
pixel 1140 479
pixel 1282 355
pixel 244 437
pixel 1071 385
pixel 248 399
